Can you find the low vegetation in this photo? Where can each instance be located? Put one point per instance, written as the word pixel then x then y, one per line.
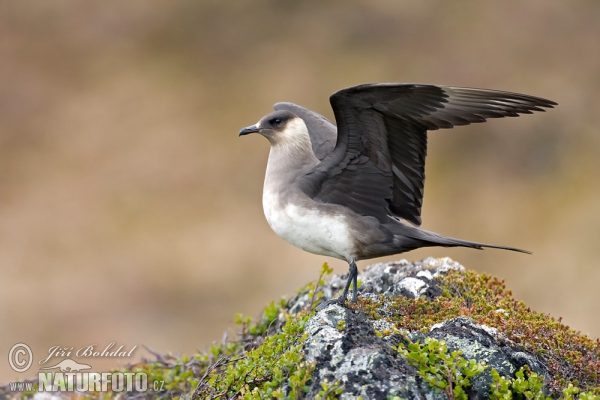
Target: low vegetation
pixel 266 360
pixel 571 358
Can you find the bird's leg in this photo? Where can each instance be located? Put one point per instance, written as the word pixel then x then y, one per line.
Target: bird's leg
pixel 352 279
pixel 354 268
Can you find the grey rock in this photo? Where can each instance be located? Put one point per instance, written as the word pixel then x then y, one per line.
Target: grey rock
pixel 483 343
pixel 354 355
pixel 391 279
pixel 345 347
pixel 400 277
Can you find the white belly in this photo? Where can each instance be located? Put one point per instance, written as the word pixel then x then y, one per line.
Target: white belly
pixel 309 229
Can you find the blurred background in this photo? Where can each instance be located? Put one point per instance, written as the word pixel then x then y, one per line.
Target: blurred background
pixel 130 211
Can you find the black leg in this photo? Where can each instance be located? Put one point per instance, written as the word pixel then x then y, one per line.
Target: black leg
pixel 348 283
pixel 354 272
pixel 352 279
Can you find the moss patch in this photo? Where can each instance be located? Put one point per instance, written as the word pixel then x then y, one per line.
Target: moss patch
pixel 571 358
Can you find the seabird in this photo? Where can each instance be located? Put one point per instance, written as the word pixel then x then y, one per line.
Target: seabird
pixel 355 191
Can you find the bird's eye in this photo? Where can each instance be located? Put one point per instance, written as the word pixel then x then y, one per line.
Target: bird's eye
pixel 275 121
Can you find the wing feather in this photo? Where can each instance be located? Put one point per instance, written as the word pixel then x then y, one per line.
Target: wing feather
pixel 377 166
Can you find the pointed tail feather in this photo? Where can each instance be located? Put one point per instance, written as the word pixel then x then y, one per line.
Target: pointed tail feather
pixel 480 246
pixel 428 238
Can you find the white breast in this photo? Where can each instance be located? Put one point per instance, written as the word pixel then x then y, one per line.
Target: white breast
pixel 309 228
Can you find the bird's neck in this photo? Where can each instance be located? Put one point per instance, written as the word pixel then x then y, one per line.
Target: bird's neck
pixel 288 161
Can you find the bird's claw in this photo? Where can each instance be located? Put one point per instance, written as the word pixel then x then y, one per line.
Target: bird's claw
pixel 340 301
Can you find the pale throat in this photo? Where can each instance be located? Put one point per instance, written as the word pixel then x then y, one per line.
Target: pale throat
pixel 292 148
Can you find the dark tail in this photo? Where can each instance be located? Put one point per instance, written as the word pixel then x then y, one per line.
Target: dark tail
pixel 451 242
pixel 423 238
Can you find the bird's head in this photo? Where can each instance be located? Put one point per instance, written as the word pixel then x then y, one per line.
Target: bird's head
pixel 280 127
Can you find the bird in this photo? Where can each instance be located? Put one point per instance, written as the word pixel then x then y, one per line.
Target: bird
pixel 353 190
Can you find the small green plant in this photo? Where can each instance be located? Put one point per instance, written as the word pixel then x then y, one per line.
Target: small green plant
pixel 270 314
pixel 501 387
pixel 261 372
pixel 530 386
pixel 447 372
pixel 314 293
pixel 330 391
pixel 267 362
pixel 526 385
pixel 570 392
pixel 451 373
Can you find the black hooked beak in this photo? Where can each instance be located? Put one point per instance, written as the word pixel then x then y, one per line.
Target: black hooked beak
pixel 249 129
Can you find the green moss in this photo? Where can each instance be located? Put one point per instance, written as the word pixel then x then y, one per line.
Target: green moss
pixel 570 356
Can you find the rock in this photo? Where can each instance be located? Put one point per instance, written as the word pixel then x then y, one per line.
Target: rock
pixel 346 348
pixel 484 344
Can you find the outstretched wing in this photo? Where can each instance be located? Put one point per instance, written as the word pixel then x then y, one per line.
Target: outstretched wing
pixel 378 165
pixel 322 132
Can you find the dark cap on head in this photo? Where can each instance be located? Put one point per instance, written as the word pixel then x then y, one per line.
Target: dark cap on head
pixel 276 121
